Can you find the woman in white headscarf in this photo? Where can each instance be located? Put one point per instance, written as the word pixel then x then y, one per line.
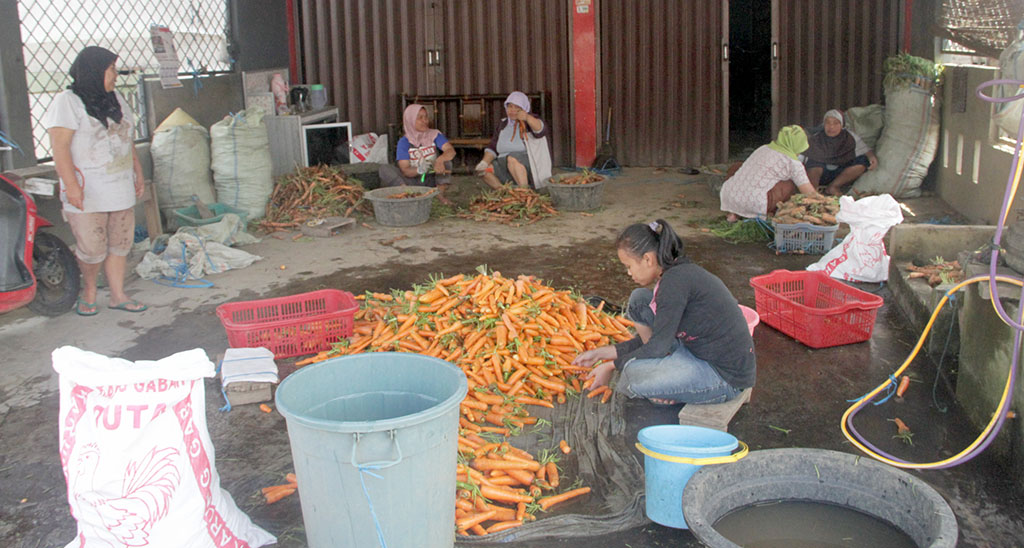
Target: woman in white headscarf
pixel 518 151
pixel 424 155
pixel 836 156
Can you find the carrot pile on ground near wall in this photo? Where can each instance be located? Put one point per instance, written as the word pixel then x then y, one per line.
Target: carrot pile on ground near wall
pixel 515 340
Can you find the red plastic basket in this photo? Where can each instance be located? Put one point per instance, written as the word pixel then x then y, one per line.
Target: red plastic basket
pixel 290 326
pixel 814 308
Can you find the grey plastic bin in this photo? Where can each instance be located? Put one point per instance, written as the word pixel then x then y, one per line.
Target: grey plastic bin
pixel 401 211
pixel 374 439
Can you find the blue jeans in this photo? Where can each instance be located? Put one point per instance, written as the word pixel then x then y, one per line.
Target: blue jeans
pixel 680 377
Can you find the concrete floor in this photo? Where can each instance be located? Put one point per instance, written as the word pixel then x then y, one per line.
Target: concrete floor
pixel 799 390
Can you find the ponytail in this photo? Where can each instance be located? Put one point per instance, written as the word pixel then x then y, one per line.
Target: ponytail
pixel 638 239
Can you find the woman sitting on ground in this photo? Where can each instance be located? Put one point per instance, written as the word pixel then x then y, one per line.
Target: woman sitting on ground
pixel 424 155
pixel 508 156
pixel 837 156
pixel 692 345
pixel 772 174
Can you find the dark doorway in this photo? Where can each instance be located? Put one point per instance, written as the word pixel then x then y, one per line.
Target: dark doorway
pixel 750 76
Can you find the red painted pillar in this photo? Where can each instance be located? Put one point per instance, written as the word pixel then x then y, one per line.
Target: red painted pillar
pixel 908 14
pixel 584 64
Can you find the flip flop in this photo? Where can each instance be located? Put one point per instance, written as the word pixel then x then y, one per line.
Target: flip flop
pixel 131 305
pixel 85 308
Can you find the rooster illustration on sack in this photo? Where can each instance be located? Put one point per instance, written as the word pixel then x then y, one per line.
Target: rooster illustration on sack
pixel 146 491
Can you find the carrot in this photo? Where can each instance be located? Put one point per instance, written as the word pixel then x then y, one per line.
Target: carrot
pixel 478 530
pixel 486 465
pixel 521 476
pixel 901 427
pixel 548 502
pixel 276 495
pixel 564 446
pixel 265 408
pixel 520 511
pixel 503 514
pixel 607 396
pixel 503 525
pixel 552 473
pixel 475 519
pixel 526 400
pixel 597 391
pixel 290 476
pixel 504 495
pixel 904 383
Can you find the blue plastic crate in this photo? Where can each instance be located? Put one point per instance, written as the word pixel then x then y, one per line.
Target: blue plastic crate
pixel 804 238
pixel 189 216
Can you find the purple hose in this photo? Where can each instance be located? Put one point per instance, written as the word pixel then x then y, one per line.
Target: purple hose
pixel 1018 327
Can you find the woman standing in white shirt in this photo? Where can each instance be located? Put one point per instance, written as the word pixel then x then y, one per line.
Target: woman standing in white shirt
pixel 91 133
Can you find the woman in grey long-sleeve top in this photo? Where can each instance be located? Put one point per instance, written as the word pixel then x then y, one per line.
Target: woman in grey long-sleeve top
pixel 692 343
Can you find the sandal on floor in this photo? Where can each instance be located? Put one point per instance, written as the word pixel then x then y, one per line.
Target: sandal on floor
pixel 130 305
pixel 85 308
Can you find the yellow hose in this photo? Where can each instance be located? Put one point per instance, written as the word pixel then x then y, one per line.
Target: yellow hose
pixel 917 348
pixel 913 354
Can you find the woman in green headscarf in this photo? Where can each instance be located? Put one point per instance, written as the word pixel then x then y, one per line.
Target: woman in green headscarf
pixel 772 174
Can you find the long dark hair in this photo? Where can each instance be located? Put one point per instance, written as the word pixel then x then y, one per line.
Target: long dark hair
pixel 87 73
pixel 639 238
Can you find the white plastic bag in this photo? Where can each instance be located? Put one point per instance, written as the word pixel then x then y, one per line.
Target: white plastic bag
pixel 137 457
pixel 200 254
pixel 862 257
pixel 368 147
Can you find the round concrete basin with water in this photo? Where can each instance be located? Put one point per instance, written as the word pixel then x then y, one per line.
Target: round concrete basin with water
pixel 832 478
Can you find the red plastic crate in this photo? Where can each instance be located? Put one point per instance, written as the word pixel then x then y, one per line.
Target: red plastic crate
pixel 814 308
pixel 290 326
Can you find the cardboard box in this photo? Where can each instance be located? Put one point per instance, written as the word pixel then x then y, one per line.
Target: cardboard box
pixel 241 393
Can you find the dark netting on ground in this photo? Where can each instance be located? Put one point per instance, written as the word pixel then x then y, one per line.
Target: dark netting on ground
pixel 603 458
pixel 986 26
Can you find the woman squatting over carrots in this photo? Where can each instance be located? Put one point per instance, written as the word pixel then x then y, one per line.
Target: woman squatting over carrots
pixel 692 343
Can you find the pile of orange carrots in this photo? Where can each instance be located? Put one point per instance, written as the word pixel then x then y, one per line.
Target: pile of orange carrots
pixel 515 339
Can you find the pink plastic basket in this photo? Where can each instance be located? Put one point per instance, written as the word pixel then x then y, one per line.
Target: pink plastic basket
pixel 290 326
pixel 814 308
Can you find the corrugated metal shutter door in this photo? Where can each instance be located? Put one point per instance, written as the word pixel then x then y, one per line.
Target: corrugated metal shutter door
pixel 369 52
pixel 500 46
pixel 661 74
pixel 829 55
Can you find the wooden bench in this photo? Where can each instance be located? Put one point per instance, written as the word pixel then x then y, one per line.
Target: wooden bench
pixel 713 415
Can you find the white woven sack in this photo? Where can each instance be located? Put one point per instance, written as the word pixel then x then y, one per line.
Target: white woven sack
pixel 867 122
pixel 1011 67
pixel 241 162
pixel 181 167
pixel 907 146
pixel 137 456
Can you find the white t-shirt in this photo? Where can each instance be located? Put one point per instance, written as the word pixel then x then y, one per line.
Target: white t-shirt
pixel 102 155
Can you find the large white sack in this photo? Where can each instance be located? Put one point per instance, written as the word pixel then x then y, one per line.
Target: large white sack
pixel 241 162
pixel 862 256
pixel 1011 67
pixel 181 163
pixel 138 458
pixel 907 145
pixel 867 122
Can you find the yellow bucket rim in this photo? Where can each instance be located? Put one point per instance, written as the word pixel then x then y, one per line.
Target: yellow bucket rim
pixel 743 451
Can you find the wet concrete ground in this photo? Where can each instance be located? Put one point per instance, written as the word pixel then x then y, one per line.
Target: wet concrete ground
pixel 799 398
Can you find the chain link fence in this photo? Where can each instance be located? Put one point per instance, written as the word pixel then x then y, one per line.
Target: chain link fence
pixel 54 31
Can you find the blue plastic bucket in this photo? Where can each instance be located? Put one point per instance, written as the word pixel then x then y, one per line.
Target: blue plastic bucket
pixel 672 453
pixel 374 443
